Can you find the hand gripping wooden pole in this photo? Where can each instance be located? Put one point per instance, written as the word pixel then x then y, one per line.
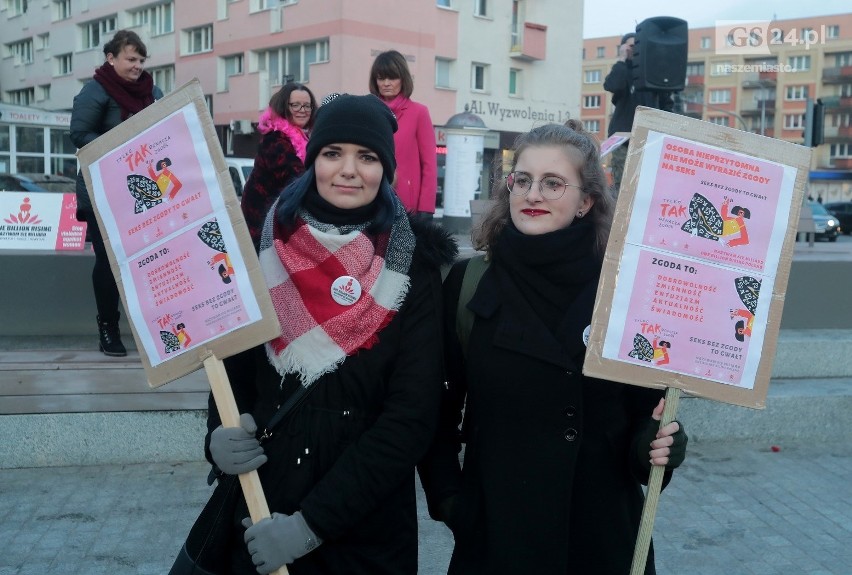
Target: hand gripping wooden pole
pixel 652 497
pixel 223 395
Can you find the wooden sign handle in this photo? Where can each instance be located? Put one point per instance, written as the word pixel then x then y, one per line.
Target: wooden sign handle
pixel 652 497
pixel 223 395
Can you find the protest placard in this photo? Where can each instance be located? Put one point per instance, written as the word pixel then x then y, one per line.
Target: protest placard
pixel 696 268
pixel 697 263
pixel 180 250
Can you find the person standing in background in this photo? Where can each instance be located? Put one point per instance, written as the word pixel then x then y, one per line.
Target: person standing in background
pixel 416 181
pixel 120 89
pixel 281 153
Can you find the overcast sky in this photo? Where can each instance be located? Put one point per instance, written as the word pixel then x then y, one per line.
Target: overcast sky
pixel 602 18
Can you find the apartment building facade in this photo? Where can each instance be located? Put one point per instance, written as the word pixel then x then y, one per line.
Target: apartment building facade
pixel 807 58
pixel 511 62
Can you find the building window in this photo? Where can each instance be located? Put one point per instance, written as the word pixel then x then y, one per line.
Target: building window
pixel 846 90
pixel 517 20
pixel 164 77
pixel 24 97
pixel 706 43
pixel 593 126
pixel 208 99
pixel 43 41
pixel 479 77
pixel 800 62
pixel 443 3
pixel 61 10
pixel 292 61
pixel 720 96
pixel 514 82
pixel 97 31
pixel 592 77
pixel 719 120
pixel 199 39
pixel 601 52
pixel 229 66
pixel 21 51
pixel 157 19
pixel 794 121
pixel 832 32
pixel 695 69
pixel 42 92
pixel 443 73
pixel 721 68
pixel 63 65
pixel 843 59
pixel 480 8
pixel 591 101
pixel 797 93
pixel 840 151
pixel 260 5
pixel 16 7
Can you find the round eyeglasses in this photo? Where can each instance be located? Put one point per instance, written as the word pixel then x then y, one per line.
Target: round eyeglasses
pixel 550 187
pixel 297 107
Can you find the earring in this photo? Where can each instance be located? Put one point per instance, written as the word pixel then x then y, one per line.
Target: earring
pixel 580 214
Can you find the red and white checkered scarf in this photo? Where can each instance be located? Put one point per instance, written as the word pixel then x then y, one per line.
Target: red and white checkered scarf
pixel 300 265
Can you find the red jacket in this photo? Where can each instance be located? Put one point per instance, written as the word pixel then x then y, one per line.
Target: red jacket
pixel 417 166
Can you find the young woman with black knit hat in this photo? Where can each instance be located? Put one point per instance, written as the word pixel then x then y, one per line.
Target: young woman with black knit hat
pixel 357 289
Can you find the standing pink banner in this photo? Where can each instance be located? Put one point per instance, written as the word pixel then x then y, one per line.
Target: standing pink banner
pixel 40 221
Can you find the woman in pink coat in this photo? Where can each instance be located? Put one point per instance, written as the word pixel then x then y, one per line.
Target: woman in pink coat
pixel 416 180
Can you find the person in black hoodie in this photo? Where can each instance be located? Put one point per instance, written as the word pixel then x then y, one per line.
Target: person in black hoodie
pixel 625 98
pixel 554 460
pixel 356 285
pixel 121 88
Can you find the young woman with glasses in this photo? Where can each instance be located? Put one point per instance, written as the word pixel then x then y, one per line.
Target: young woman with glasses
pixel 285 126
pixel 554 461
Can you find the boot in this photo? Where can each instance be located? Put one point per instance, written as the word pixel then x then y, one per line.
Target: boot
pixel 110 342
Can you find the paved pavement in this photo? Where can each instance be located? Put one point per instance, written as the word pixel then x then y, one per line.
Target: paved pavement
pixel 732 509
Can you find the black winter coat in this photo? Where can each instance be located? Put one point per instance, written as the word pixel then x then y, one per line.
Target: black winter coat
pixel 551 482
pixel 94 113
pixel 625 98
pixel 346 456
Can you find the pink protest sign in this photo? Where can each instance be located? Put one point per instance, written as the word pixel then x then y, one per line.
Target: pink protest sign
pixel 698 259
pixel 176 239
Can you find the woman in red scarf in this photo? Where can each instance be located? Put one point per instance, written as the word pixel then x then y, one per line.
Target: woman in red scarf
pixel 281 154
pixel 416 181
pixel 120 89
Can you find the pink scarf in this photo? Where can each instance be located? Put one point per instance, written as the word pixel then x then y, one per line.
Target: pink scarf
pixel 271 122
pixel 398 105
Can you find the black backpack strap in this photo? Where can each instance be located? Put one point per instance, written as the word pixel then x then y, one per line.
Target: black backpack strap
pixel 474 271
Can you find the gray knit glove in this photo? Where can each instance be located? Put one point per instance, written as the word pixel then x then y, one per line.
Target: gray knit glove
pixel 278 540
pixel 236 450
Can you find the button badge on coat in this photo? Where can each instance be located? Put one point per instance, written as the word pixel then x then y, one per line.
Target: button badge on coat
pixel 346 290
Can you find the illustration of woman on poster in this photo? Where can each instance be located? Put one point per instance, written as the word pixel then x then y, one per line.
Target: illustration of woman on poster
pixel 166 178
pixel 734 231
pixel 748 290
pixel 661 351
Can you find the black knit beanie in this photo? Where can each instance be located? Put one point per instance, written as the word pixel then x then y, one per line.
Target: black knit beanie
pixel 363 120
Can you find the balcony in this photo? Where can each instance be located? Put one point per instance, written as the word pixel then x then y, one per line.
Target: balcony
pixel 843 163
pixel 696 80
pixel 533 43
pixel 839 75
pixel 844 132
pixel 758 107
pixel 754 80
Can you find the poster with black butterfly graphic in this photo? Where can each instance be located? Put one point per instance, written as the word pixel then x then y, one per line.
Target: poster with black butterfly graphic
pixel 698 259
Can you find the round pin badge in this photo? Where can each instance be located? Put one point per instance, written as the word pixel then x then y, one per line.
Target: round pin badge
pixel 586 333
pixel 346 290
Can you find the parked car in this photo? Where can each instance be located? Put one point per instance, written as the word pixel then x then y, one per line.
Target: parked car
pixel 827 226
pixel 843 212
pixel 36 183
pixel 239 168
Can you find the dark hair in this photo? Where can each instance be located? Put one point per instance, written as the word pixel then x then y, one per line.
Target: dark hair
pixel 223 273
pixel 180 326
pixel 294 194
pixel 664 343
pixel 166 161
pixel 391 64
pixel 740 325
pixel 124 38
pixel 280 102
pixel 626 37
pixel 583 148
pixel 746 213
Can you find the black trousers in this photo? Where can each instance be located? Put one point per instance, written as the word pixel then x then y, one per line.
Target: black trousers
pixel 103 282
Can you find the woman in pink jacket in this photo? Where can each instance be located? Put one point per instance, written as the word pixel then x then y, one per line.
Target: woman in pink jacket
pixel 416 180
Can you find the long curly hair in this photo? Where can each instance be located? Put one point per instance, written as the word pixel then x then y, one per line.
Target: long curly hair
pixel 583 148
